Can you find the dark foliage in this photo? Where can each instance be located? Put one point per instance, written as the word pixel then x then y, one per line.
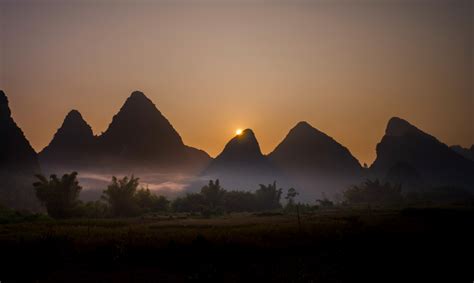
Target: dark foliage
pixel 213 199
pixel 60 196
pixel 268 197
pixel 374 193
pixel 120 195
pixel 149 202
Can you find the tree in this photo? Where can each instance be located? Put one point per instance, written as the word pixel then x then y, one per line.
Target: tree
pixel 149 202
pixel 213 194
pixel 268 197
pixel 60 196
pixel 291 195
pixel 120 195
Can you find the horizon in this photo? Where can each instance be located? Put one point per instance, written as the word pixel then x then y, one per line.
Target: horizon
pixel 345 69
pixel 239 131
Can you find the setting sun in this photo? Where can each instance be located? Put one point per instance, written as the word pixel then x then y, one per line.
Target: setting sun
pixel 238 132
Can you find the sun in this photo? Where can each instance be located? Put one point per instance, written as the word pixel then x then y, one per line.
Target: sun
pixel 238 132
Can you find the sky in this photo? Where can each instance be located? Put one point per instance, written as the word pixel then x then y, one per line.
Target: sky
pixel 212 67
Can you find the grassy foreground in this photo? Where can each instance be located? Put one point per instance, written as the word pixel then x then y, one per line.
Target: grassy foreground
pixel 327 246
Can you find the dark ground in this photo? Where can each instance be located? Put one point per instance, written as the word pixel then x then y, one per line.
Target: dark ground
pixel 410 245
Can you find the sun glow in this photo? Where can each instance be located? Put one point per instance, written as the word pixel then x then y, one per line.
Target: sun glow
pixel 238 132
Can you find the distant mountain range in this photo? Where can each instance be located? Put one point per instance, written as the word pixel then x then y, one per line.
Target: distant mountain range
pixel 140 138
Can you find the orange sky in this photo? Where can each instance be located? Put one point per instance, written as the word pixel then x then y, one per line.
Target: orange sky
pixel 211 67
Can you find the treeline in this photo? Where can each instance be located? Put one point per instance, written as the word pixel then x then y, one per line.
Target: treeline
pixel 125 198
pixel 375 193
pixel 213 199
pixel 121 198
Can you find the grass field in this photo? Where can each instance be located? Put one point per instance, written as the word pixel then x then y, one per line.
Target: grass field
pixel 327 246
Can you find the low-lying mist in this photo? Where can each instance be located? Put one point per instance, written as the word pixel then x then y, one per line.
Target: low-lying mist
pixel 166 184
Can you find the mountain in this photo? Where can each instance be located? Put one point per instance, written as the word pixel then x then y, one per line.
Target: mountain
pixel 72 145
pixel 18 161
pixel 307 149
pixel 433 162
pixel 315 161
pixel 140 136
pixel 241 165
pixel 138 139
pixel 466 152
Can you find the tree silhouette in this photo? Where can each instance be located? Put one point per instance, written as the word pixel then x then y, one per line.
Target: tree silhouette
pixel 213 194
pixel 268 197
pixel 120 195
pixel 60 196
pixel 291 195
pixel 149 202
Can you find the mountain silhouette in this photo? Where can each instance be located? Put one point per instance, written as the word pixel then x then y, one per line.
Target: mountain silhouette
pixel 434 162
pixel 466 152
pixel 18 161
pixel 138 138
pixel 140 135
pixel 241 164
pixel 308 149
pixel 315 161
pixel 241 149
pixel 72 145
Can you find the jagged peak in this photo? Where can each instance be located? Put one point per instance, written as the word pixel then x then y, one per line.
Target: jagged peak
pixel 74 120
pixel 138 104
pixel 138 97
pixel 74 115
pixel 305 130
pixel 399 127
pixel 303 125
pixel 246 137
pixel 243 145
pixel 247 133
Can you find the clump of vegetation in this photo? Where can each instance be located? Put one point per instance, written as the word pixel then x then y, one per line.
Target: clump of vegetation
pixel 8 216
pixel 290 196
pixel 60 196
pixel 268 197
pixel 122 198
pixel 149 202
pixel 374 193
pixel 213 199
pixel 120 195
pixel 125 199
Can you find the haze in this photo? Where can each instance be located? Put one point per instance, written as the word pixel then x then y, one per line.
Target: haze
pixel 211 67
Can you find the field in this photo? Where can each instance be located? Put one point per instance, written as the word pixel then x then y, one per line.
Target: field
pixel 326 246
